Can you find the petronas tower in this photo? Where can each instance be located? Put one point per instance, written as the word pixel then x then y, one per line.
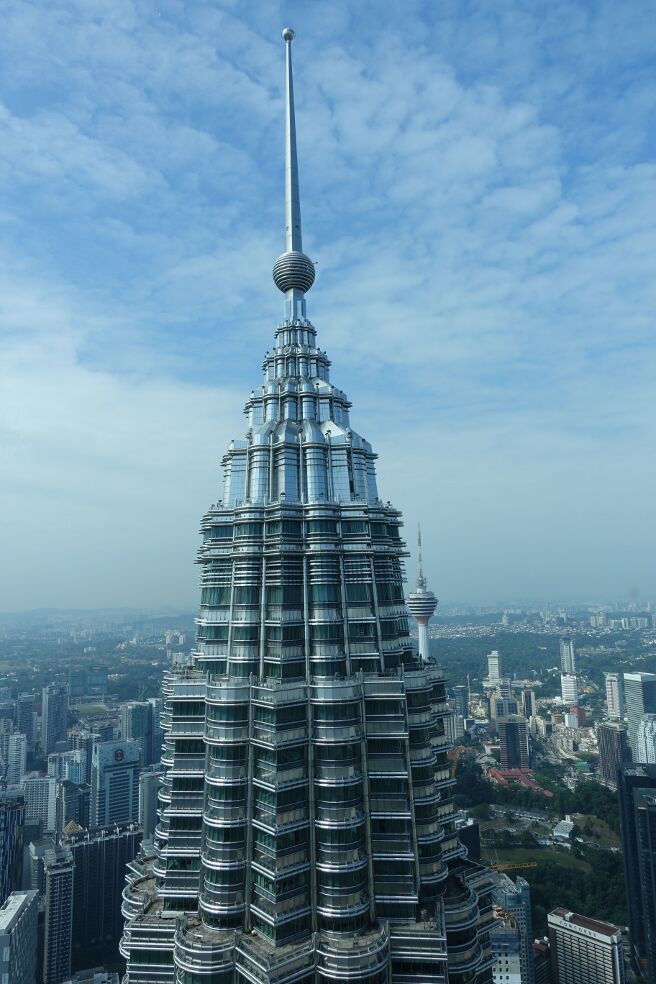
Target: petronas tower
pixel 306 831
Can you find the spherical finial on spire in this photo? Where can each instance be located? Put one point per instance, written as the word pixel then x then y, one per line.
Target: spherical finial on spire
pixel 288 34
pixel 293 270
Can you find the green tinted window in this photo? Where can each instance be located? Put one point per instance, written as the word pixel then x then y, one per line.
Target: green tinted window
pixel 324 593
pixel 354 527
pixel 321 526
pixel 219 533
pixel 358 593
pixel 215 633
pixel 215 596
pixel 248 529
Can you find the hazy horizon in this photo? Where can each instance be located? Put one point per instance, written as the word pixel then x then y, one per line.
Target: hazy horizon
pixel 478 188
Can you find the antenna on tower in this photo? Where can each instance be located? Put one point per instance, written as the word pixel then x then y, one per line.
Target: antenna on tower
pixel 293 271
pixel 421 580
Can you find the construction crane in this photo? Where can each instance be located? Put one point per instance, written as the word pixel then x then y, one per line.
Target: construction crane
pixel 512 867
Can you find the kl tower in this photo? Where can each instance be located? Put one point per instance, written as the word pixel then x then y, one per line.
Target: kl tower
pixel 422 604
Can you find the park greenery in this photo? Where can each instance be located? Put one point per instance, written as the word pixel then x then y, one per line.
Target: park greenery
pixel 588 797
pixel 533 654
pixel 598 892
pixel 582 878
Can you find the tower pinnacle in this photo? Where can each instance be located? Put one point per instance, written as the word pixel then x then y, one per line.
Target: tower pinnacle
pixel 293 271
pixel 421 580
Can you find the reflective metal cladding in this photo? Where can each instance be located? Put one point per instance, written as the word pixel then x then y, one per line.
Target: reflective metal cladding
pixel 306 830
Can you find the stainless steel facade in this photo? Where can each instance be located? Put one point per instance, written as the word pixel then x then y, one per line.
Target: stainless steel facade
pixel 306 830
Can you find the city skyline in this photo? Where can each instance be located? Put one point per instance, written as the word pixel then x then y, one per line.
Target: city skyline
pixel 478 179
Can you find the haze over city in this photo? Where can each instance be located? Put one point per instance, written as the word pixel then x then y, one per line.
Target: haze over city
pixel 478 187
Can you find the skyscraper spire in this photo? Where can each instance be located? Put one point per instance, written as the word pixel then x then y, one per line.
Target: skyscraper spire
pixel 305 827
pixel 293 271
pixel 293 237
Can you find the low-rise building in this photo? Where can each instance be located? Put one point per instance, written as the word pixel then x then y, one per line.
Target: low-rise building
pixel 564 831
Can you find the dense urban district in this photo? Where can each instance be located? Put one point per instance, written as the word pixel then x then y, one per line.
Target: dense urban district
pixel 552 728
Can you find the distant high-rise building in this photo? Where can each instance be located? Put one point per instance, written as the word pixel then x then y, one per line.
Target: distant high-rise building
pixel 58 900
pixel 70 765
pixel 40 801
pixel 640 894
pixel 640 698
pixel 569 689
pixel 19 938
pixel 580 714
pixel 97 680
pixel 461 700
pixel 82 740
pixel 513 738
pixel 506 942
pixel 157 704
pixel 77 681
pixel 514 898
pixel 73 805
pixel 502 706
pixel 149 783
pixel 422 604
pixel 7 714
pixel 115 783
pixel 542 963
pixel 584 950
pixel 103 731
pixel 12 822
pixel 529 705
pixel 54 717
pixel 100 860
pixel 137 726
pixel 613 751
pixel 24 716
pixel 451 727
pixel 644 806
pixel 37 855
pixel 567 655
pixel 645 745
pixel 469 832
pixel 493 669
pixel 14 754
pixel 614 696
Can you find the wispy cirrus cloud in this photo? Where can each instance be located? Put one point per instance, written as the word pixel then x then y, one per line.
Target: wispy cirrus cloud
pixel 478 185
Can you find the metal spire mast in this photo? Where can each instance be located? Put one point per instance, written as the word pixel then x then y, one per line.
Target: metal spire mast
pixel 293 271
pixel 293 238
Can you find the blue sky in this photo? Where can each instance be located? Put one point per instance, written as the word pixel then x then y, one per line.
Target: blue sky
pixel 479 190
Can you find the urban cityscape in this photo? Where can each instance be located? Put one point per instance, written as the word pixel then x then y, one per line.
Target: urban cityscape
pixel 550 783
pixel 323 773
